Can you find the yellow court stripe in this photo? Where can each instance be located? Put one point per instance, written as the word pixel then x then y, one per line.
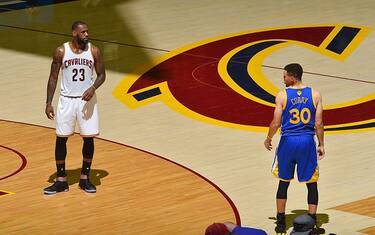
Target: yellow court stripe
pixel 223 72
pixel 175 105
pixel 7 193
pixel 351 103
pixel 352 124
pixel 351 130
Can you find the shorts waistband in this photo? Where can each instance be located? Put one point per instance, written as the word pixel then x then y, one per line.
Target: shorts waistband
pixel 72 97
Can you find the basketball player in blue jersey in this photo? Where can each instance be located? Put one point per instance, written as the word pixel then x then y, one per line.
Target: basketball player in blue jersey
pixel 77 102
pixel 299 112
pixel 229 228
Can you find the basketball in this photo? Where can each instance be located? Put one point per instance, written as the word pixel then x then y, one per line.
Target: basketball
pixel 216 229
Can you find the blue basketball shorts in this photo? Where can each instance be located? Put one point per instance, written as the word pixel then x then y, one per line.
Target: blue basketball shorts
pixel 297 151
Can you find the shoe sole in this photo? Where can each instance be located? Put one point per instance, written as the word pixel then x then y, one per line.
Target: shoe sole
pixel 319 230
pixel 280 231
pixel 54 192
pixel 87 190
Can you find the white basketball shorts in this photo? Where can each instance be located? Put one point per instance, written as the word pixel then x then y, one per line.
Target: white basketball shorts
pixel 75 110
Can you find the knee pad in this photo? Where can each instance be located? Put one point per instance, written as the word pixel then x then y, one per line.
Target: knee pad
pixel 312 195
pixel 282 191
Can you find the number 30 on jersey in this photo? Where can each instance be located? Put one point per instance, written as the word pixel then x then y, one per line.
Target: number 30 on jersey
pixel 297 116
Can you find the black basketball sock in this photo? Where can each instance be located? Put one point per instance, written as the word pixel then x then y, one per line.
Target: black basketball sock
pixel 60 155
pixel 60 170
pixel 86 167
pixel 88 154
pixel 280 218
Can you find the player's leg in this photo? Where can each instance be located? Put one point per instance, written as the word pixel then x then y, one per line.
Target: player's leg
pixel 312 200
pixel 88 120
pixel 282 196
pixel 281 199
pixel 61 184
pixel 308 171
pixel 65 122
pixel 87 154
pixel 60 156
pixel 283 169
pixel 312 197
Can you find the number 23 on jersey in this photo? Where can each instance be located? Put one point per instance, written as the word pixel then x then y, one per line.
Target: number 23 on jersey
pixel 80 73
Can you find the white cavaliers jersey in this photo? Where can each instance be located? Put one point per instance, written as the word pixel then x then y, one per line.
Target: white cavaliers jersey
pixel 77 71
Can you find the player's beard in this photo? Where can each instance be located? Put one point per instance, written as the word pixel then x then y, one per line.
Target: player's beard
pixel 83 42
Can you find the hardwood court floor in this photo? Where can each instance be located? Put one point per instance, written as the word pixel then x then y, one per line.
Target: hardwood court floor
pixel 133 33
pixel 138 193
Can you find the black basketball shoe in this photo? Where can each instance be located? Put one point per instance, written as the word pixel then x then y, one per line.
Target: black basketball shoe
pixel 280 228
pixel 58 186
pixel 316 229
pixel 86 185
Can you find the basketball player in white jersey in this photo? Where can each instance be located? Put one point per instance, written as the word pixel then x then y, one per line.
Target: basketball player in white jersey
pixel 77 103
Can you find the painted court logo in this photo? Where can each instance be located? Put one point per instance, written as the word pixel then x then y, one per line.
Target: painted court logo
pixel 220 81
pixel 10 153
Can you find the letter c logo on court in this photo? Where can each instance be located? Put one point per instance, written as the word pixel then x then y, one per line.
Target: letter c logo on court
pixel 220 80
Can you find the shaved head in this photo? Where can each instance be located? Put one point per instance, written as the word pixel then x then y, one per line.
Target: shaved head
pixel 77 23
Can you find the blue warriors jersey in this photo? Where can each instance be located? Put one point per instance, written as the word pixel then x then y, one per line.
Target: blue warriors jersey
pixel 298 116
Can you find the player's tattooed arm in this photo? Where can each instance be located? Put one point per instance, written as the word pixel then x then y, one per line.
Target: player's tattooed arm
pixel 100 72
pixel 52 81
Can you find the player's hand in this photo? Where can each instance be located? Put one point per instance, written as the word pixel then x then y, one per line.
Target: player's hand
pixel 49 111
pixel 88 94
pixel 321 152
pixel 268 144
